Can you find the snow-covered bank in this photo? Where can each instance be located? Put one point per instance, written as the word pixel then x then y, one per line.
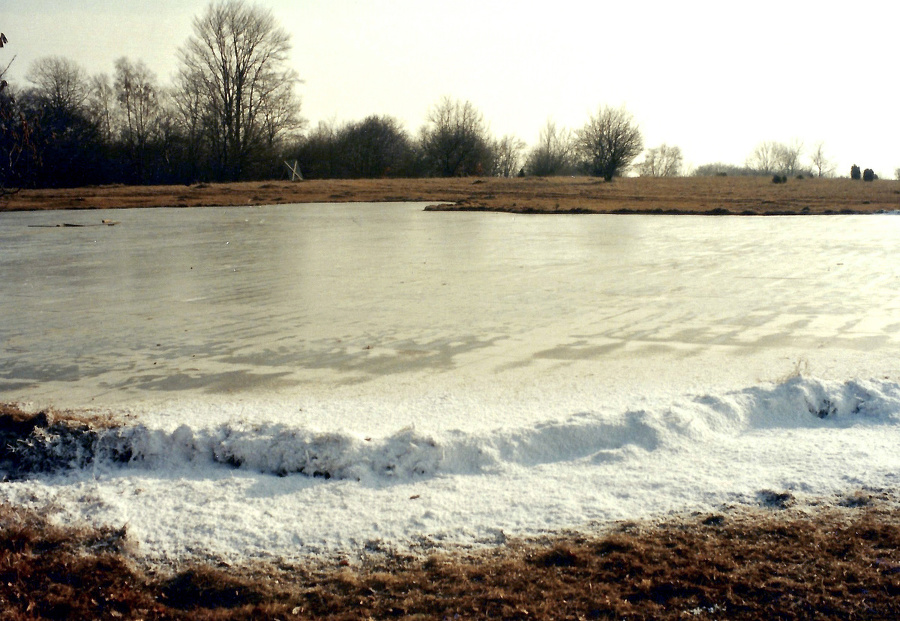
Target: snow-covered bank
pixel 282 450
pixel 274 491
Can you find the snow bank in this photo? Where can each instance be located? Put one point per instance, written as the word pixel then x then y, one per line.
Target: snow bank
pixel 282 450
pixel 245 491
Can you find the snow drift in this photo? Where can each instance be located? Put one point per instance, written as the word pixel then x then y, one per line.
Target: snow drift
pixel 278 449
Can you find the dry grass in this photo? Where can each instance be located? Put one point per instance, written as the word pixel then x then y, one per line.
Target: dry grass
pixel 837 561
pixel 836 564
pixel 704 195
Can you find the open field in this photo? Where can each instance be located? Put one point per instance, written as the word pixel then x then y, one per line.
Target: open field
pixel 700 195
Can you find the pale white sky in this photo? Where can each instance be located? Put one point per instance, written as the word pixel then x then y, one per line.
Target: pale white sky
pixel 714 78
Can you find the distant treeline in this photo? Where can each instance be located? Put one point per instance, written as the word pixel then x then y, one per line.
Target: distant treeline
pixel 233 114
pixel 721 169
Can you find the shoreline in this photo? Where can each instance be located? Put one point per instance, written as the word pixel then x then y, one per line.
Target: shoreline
pixel 743 196
pixel 718 211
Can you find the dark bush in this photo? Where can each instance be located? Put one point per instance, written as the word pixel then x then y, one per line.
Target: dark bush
pixel 854 172
pixel 869 175
pixel 779 178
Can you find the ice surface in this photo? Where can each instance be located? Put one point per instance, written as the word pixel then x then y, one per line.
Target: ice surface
pixel 304 379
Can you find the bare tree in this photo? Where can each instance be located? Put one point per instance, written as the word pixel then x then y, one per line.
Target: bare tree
pixel 137 94
pixel 552 155
pixel 764 157
pixel 777 157
pixel 824 167
pixel 59 83
pixel 317 152
pixel 3 83
pixel 662 161
pixel 455 140
pixel 67 145
pixel 101 104
pixel 281 120
pixel 509 150
pixel 188 107
pixel 15 136
pixel 236 64
pixel 788 157
pixel 609 142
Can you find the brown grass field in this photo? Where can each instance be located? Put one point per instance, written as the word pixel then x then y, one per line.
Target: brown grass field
pixel 836 558
pixel 696 195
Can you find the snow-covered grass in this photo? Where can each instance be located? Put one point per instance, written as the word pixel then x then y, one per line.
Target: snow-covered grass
pixel 270 491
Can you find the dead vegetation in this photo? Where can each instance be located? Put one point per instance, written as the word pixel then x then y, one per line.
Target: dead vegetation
pixel 835 564
pixel 49 442
pixel 700 195
pixel 840 560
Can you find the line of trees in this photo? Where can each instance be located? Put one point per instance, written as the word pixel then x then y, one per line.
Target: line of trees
pixel 233 113
pixel 456 141
pixel 780 159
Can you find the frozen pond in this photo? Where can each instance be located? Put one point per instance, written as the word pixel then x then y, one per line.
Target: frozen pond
pixel 446 377
pixel 387 301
